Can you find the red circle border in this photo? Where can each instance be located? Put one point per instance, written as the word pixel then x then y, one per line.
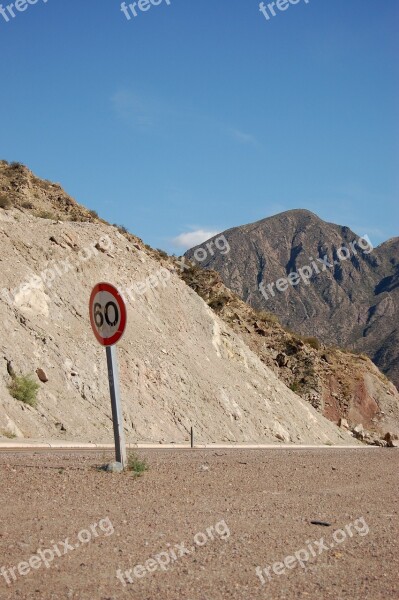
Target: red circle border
pixel 107 287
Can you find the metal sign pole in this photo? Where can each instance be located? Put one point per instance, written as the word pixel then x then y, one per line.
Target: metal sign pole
pixel 117 417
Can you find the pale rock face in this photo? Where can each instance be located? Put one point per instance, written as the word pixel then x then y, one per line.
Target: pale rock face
pixel 33 301
pixel 11 427
pixel 280 432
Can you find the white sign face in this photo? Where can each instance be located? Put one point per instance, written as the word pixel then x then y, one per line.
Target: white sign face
pixel 107 314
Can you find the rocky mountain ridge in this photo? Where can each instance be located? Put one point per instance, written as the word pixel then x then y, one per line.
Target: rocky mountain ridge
pixel 320 279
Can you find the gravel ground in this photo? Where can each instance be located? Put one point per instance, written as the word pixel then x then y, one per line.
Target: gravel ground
pixel 210 516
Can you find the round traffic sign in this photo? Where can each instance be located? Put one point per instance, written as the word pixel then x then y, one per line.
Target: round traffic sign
pixel 107 314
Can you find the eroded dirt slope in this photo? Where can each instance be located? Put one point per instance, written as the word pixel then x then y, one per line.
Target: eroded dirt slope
pixel 180 364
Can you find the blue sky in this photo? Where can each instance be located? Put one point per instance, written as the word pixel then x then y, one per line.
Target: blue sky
pixel 203 115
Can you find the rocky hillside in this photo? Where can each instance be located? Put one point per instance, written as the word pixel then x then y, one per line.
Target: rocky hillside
pixel 180 363
pixel 340 384
pixel 320 279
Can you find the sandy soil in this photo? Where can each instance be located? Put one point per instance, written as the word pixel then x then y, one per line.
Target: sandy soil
pixel 209 517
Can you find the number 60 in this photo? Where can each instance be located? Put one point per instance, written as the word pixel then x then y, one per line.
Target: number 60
pixel 99 316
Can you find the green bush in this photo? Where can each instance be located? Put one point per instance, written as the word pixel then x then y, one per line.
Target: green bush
pixel 295 387
pixel 24 388
pixel 93 214
pixel 136 465
pixel 312 342
pixel 8 434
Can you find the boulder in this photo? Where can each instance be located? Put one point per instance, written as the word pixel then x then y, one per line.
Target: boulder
pixel 282 359
pixel 42 375
pixel 113 467
pixel 390 437
pixel 358 432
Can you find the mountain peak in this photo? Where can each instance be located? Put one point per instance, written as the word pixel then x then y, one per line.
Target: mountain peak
pixel 350 297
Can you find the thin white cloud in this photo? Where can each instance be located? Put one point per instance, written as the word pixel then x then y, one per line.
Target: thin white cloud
pixel 242 137
pixel 144 112
pixel 131 107
pixel 193 238
pixel 372 232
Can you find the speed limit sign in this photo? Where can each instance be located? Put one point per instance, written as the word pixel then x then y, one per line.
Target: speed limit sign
pixel 107 314
pixel 108 321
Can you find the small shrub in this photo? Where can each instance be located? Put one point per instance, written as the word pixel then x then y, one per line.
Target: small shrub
pixel 136 465
pixel 313 343
pixel 8 434
pixel 93 214
pixel 121 228
pixel 4 201
pixel 360 355
pixel 46 214
pixel 294 387
pixel 27 204
pixel 24 388
pixel 289 331
pixel 267 317
pixel 218 302
pixel 162 253
pixel 357 353
pixel 16 165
